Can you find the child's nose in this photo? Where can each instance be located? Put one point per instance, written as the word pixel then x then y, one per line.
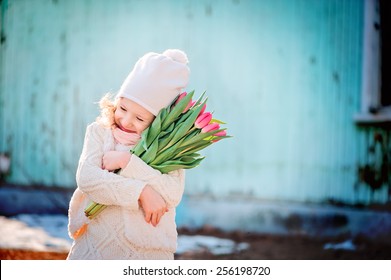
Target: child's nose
pixel 127 122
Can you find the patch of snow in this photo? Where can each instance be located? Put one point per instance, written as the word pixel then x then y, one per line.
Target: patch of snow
pixel 54 225
pixel 17 234
pixel 215 245
pixel 346 245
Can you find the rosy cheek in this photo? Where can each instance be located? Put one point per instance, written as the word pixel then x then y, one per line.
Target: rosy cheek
pixel 137 129
pixel 140 129
pixel 117 114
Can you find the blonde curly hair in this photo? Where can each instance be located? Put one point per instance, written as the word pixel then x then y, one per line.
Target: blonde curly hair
pixel 108 105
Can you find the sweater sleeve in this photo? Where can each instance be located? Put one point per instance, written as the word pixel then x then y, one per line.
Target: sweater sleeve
pixel 170 186
pixel 100 185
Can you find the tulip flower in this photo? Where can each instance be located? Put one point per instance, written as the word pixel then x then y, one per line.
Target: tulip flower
pixel 221 133
pixel 180 97
pixel 218 136
pixel 191 104
pixel 210 127
pixel 203 120
pixel 203 109
pixel 188 106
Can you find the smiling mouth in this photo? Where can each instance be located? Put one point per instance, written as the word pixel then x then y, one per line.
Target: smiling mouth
pixel 126 130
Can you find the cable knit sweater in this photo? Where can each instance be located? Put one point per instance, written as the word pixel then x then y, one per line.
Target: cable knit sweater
pixel 120 231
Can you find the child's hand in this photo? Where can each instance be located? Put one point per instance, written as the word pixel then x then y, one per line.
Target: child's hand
pixel 114 160
pixel 153 204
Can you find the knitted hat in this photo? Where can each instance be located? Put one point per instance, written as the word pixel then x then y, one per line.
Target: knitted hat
pixel 156 79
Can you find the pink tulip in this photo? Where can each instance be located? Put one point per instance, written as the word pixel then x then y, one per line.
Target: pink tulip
pixel 210 127
pixel 203 120
pixel 191 103
pixel 181 96
pixel 202 110
pixel 221 133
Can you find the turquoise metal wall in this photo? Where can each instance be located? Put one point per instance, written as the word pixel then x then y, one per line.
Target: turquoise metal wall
pixel 284 74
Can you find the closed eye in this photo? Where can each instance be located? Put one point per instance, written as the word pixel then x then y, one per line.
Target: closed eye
pixel 123 109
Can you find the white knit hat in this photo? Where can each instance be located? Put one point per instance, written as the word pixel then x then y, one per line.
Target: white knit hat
pixel 156 79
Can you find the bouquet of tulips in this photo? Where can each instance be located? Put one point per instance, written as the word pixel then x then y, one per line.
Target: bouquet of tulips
pixel 174 138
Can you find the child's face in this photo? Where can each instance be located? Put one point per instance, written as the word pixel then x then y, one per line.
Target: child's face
pixel 132 117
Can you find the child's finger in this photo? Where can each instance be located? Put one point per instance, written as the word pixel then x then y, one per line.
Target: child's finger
pixel 153 220
pixel 157 218
pixel 148 217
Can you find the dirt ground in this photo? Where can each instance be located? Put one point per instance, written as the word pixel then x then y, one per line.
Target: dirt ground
pixel 262 247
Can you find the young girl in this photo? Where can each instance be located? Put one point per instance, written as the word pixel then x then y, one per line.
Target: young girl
pixel 139 222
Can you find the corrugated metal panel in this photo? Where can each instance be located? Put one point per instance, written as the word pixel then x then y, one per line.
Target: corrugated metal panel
pixel 284 74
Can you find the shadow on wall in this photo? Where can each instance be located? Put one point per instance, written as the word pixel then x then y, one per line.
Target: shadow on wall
pixel 33 200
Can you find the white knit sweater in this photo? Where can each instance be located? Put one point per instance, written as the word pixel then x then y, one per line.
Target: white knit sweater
pixel 120 231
